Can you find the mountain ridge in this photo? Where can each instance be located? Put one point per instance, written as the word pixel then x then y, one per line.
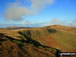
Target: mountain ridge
pixel 54 38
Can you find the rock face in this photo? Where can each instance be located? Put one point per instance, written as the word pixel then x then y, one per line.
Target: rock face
pixel 26 47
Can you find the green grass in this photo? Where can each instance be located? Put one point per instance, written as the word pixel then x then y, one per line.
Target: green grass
pixel 40 47
pixel 49 56
pixel 67 39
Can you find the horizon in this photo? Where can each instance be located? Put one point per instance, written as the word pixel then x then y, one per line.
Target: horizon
pixel 22 27
pixel 37 13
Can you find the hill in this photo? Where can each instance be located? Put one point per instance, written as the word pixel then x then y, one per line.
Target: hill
pixel 39 42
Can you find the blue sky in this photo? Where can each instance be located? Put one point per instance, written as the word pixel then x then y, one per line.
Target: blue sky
pixel 63 10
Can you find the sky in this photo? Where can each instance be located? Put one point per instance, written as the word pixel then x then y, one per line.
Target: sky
pixel 37 13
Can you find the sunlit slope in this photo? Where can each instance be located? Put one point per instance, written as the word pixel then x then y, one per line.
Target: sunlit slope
pixel 59 37
pixel 66 36
pixel 16 43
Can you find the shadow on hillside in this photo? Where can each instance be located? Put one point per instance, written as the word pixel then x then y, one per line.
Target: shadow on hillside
pixel 52 30
pixel 37 44
pixel 29 40
pixel 1 34
pixel 57 53
pixel 2 37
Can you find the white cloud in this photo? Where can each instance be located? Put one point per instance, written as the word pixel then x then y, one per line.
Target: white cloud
pixel 37 5
pixel 57 22
pixel 74 23
pixel 15 12
pixel 26 23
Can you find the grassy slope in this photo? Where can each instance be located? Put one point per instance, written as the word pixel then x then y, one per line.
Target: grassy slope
pixel 63 39
pixel 59 37
pixel 22 45
pixel 66 36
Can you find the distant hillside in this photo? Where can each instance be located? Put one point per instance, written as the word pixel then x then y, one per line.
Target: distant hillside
pixel 37 42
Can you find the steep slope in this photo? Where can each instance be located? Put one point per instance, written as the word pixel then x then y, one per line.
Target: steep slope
pixel 24 47
pixel 66 36
pixel 59 37
pixel 38 42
